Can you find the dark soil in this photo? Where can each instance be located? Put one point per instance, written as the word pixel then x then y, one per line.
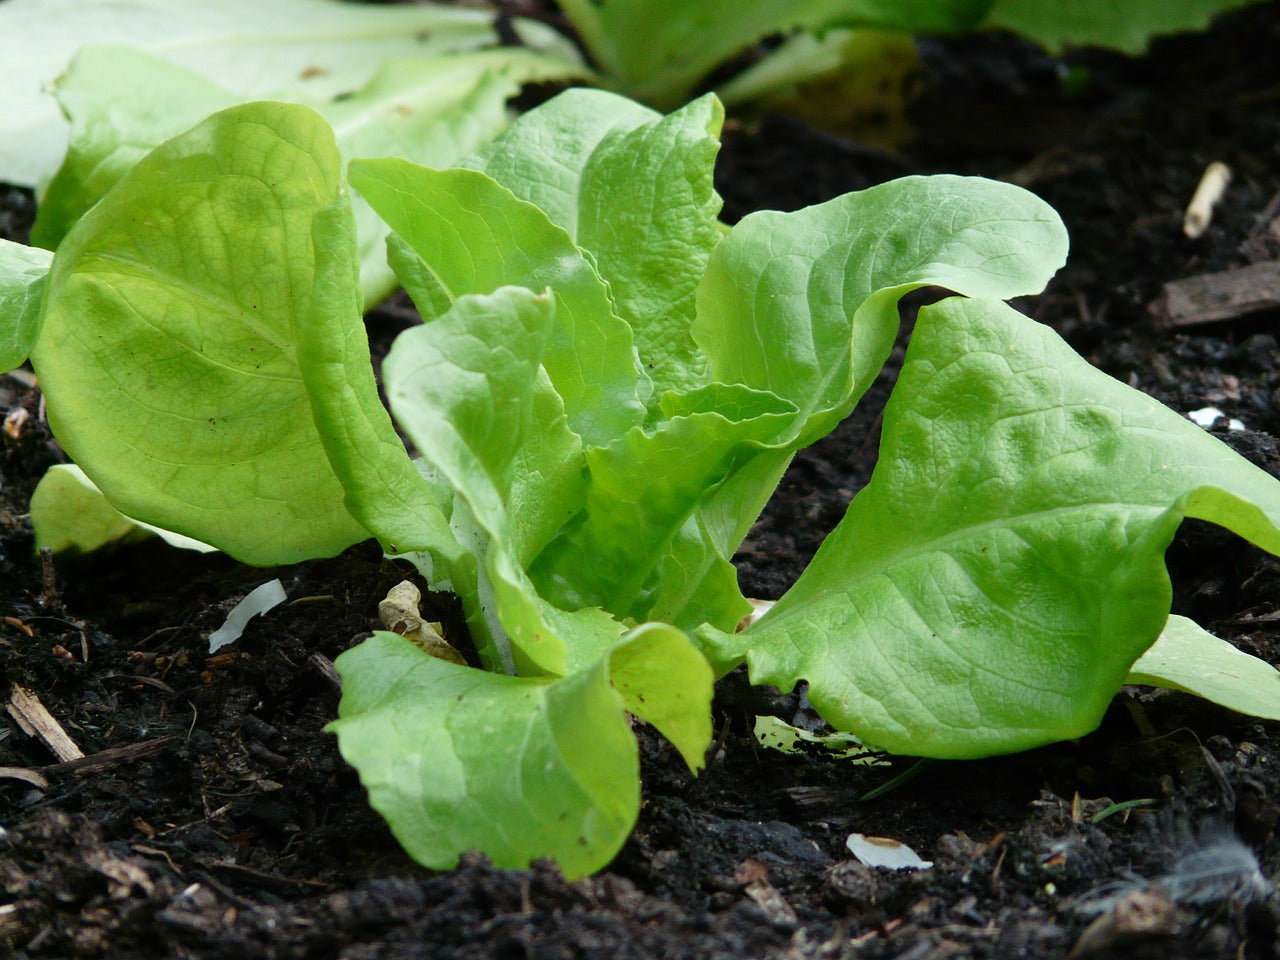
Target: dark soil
pixel 213 819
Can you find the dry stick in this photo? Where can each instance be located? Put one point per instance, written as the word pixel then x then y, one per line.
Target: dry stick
pixel 1213 183
pixel 327 670
pixel 105 758
pixel 25 707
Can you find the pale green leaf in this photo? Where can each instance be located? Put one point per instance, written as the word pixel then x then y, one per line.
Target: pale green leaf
pixel 169 349
pixel 667 683
pixel 447 217
pixel 1187 657
pixel 542 155
pixel 469 390
pixel 292 49
pixel 457 759
pixel 69 513
pixel 385 490
pixel 775 734
pixel 990 588
pixel 635 191
pixel 23 272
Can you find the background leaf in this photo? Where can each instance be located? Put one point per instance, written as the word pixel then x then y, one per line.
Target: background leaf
pixel 285 49
pixel 990 588
pixel 658 50
pixel 123 103
pixel 1121 26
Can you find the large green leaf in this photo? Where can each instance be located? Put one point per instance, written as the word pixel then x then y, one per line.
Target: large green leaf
pixel 633 189
pixel 445 217
pixel 23 271
pixel 1104 23
pixel 1187 657
pixel 310 49
pixel 169 348
pixel 434 110
pixel 990 588
pixel 457 759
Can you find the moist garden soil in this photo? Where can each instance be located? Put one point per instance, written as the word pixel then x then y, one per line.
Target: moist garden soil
pixel 212 818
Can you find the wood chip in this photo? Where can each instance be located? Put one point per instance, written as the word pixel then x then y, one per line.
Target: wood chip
pixel 33 777
pixel 25 708
pixel 326 669
pixel 1212 297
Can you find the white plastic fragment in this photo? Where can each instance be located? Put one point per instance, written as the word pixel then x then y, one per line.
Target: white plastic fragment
pixel 885 852
pixel 258 600
pixel 1207 416
pixel 758 609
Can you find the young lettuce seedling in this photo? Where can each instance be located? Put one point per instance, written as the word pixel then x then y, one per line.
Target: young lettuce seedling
pixel 605 390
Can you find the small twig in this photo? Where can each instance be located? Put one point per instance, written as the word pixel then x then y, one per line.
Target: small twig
pixel 113 755
pixel 25 708
pixel 1213 183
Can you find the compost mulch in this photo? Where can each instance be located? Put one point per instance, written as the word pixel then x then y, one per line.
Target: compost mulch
pixel 212 818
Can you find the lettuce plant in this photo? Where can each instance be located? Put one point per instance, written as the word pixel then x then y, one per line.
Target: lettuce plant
pixel 662 51
pixel 604 392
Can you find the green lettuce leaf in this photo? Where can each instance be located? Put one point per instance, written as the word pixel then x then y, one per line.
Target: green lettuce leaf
pixel 991 587
pixel 123 103
pixel 1187 657
pixel 168 353
pixel 458 759
pixel 643 489
pixel 315 50
pixel 805 305
pixel 23 272
pixel 1121 26
pixel 443 217
pixel 471 393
